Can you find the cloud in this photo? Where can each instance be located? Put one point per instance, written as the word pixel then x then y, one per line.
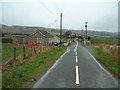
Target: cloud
pixel 100 15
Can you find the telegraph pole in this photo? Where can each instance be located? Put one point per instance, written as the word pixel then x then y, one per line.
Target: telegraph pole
pixel 60 29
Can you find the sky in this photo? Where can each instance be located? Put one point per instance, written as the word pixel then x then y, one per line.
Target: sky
pixel 101 15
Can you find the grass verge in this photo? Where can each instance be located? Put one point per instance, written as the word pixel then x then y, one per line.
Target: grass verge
pixel 105 41
pixel 29 70
pixel 107 60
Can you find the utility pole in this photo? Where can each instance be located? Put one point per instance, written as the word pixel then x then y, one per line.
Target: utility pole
pixel 60 29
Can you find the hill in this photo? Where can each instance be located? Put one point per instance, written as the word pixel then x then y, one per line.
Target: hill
pixel 32 29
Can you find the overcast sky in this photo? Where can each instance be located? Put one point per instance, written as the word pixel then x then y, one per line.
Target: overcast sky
pixel 100 14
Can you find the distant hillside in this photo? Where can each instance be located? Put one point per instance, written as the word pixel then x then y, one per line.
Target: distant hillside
pixel 32 29
pixel 97 34
pixel 19 29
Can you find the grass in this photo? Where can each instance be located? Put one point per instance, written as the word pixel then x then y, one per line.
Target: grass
pixel 29 70
pixel 7 50
pixel 109 61
pixel 0 45
pixel 7 37
pixel 64 39
pixel 105 41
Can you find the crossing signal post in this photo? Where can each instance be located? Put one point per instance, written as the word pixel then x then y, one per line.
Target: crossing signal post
pixel 86 31
pixel 86 28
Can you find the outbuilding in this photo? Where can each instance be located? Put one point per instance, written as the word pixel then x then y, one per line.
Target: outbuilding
pixel 39 37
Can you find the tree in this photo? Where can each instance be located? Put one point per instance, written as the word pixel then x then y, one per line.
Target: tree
pixel 3 34
pixel 89 37
pixel 68 34
pixel 75 36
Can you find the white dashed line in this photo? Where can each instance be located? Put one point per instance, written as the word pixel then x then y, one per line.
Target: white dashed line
pixel 77 73
pixel 76 53
pixel 77 76
pixel 74 50
pixel 76 59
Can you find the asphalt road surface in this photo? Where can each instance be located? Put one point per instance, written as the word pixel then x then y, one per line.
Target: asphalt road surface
pixel 76 68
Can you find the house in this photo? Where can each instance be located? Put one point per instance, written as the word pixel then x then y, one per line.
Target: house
pixel 18 38
pixel 39 37
pixel 56 39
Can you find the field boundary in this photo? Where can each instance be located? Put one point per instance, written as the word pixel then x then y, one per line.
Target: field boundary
pixel 32 51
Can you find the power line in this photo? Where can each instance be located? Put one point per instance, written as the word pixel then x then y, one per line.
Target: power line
pixel 71 19
pixel 55 6
pixel 47 9
pixel 54 22
pixel 43 4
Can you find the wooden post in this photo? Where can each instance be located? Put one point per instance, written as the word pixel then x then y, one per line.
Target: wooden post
pixel 23 52
pixel 31 50
pixel 14 50
pixel 46 46
pixel 60 29
pixel 41 48
pixel 35 50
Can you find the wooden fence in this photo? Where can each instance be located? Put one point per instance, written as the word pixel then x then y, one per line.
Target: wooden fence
pixel 28 51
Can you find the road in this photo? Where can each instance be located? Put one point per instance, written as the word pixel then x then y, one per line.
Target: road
pixel 76 68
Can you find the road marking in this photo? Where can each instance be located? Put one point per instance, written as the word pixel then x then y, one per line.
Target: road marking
pixel 76 53
pixel 77 76
pixel 76 59
pixel 101 66
pixel 74 50
pixel 76 44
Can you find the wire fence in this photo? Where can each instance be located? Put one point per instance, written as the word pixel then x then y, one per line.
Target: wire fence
pixel 26 53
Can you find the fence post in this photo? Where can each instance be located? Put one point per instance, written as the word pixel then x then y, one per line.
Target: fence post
pixel 43 48
pixel 39 49
pixel 35 50
pixel 14 53
pixel 31 50
pixel 23 52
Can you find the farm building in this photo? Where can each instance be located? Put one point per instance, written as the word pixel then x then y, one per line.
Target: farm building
pixel 39 37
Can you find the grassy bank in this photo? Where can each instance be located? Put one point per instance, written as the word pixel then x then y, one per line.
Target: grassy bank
pixel 29 70
pixel 110 62
pixel 105 41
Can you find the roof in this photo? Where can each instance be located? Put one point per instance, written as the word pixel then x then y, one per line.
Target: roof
pixel 20 34
pixel 45 33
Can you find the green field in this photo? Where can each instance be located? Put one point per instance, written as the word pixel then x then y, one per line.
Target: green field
pixel 64 39
pixel 30 69
pixel 7 37
pixel 105 41
pixel 7 50
pixel 109 61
